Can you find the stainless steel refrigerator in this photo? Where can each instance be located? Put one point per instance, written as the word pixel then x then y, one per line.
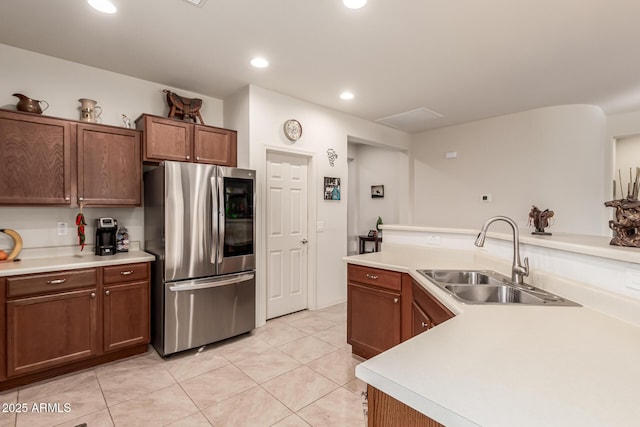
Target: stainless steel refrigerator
pixel 199 222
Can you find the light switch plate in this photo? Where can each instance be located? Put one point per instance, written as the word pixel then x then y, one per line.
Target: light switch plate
pixel 62 229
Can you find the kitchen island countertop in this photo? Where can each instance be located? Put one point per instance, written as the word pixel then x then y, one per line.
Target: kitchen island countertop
pixel 498 365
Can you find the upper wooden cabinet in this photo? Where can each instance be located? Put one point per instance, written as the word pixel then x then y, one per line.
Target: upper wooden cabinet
pixel 215 145
pixel 109 166
pixel 170 139
pixel 48 161
pixel 35 154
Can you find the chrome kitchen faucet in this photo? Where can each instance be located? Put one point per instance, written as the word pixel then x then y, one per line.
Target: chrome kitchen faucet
pixel 518 271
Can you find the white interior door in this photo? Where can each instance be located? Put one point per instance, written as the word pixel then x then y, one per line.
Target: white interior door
pixel 287 254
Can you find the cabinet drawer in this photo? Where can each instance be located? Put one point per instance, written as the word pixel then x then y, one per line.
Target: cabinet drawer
pixel 125 273
pixel 375 276
pixel 34 284
pixel 433 308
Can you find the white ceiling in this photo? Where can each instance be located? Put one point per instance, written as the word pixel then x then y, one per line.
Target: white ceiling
pixel 464 59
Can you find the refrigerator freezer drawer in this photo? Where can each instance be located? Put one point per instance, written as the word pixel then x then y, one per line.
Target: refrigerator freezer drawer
pixel 199 312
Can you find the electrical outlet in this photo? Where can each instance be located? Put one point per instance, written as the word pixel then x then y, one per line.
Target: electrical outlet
pixel 433 240
pixel 62 229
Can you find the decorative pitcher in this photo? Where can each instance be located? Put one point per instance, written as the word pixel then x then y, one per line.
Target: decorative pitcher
pixel 89 111
pixel 29 105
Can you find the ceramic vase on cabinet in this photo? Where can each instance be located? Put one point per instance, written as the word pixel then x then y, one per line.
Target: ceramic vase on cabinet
pixel 89 111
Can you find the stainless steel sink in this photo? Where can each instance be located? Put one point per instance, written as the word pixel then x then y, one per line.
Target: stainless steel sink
pixel 470 277
pixel 495 294
pixel 489 287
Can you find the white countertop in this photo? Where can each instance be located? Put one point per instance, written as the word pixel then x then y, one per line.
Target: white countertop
pixel 508 365
pixel 71 262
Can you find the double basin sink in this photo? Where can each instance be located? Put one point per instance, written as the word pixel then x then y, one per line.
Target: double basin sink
pixel 489 287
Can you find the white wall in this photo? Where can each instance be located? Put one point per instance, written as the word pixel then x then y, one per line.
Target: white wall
pixel 61 83
pixel 619 126
pixel 322 129
pixel 627 156
pixel 236 116
pixel 373 165
pixel 549 157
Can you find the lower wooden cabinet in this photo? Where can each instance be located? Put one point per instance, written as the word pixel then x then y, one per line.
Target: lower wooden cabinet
pixel 50 330
pixel 57 322
pixel 373 319
pixel 126 315
pixel 385 308
pixel 383 411
pixel 420 322
pixel 426 310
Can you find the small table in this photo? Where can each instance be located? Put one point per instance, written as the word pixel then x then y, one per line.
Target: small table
pixel 363 239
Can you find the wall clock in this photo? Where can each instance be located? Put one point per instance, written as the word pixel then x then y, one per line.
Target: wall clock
pixel 292 130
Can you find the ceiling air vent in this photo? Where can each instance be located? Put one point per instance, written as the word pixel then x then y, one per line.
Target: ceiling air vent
pixel 411 121
pixel 197 3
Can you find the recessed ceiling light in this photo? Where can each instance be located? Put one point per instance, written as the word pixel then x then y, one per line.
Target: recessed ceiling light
pixel 346 95
pixel 354 4
pixel 259 62
pixel 104 6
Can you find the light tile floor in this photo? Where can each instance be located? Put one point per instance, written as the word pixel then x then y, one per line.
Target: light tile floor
pixel 297 370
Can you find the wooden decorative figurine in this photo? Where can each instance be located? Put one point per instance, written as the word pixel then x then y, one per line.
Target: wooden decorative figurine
pixel 627 222
pixel 540 220
pixel 184 108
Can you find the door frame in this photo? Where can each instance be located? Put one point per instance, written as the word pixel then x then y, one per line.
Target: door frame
pixel 311 225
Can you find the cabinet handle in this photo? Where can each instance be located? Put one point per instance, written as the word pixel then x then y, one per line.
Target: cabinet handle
pixel 187 157
pixel 424 325
pixel 395 300
pixel 107 292
pixel 93 295
pixel 56 282
pixel 80 198
pixel 371 276
pixel 198 158
pixel 67 198
pixel 126 273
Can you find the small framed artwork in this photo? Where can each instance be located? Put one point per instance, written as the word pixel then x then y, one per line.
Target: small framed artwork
pixel 372 233
pixel 377 191
pixel 331 188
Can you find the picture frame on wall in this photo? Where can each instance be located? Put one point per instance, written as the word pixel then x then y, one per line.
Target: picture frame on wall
pixel 331 188
pixel 377 191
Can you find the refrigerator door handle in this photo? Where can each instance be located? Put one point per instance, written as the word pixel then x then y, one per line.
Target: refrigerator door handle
pixel 211 283
pixel 215 212
pixel 221 210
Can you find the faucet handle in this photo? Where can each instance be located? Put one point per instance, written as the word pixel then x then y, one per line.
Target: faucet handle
pixel 526 266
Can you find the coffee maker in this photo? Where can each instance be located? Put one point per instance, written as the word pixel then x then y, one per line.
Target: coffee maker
pixel 106 229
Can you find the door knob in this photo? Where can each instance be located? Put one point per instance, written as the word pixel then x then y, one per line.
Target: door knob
pixel 304 241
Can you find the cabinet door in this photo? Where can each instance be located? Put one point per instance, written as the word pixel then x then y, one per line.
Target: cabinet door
pixel 35 154
pixel 215 146
pixel 109 166
pixel 52 330
pixel 166 139
pixel 3 328
pixel 126 315
pixel 429 305
pixel 373 319
pixel 420 322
